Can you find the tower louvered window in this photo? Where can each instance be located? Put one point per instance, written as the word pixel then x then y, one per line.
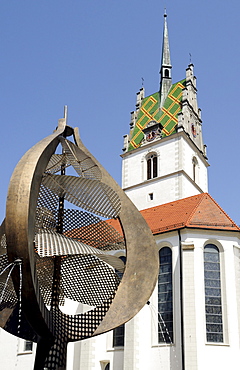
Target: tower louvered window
pixel 195 164
pixel 152 167
pixel 213 300
pixel 165 297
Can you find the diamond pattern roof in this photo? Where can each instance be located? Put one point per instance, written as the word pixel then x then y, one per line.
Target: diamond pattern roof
pixel 150 111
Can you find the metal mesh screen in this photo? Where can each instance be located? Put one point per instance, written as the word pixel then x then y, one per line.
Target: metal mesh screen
pixel 88 228
pixel 87 279
pixel 8 296
pixel 46 211
pixel 82 164
pixel 56 162
pixel 72 251
pixel 91 195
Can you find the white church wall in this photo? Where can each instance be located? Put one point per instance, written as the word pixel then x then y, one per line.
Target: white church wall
pixel 25 359
pixel 13 354
pixel 237 272
pixel 161 190
pixel 189 152
pixel 177 176
pixel 153 193
pixel 135 166
pixel 211 355
pixel 142 350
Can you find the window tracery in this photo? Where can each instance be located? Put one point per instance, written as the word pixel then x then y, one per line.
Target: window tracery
pixel 165 296
pixel 213 300
pixel 152 166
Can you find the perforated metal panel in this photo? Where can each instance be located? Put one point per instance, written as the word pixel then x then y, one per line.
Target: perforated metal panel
pixel 82 164
pixel 90 229
pixel 91 195
pixel 87 279
pixel 72 328
pixel 87 271
pixel 8 297
pixel 56 162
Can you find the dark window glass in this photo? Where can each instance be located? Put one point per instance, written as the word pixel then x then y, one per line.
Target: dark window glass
pixel 149 168
pixel 194 162
pixel 28 345
pixel 118 333
pixel 118 336
pixel 152 170
pixel 165 297
pixel 166 73
pixel 213 302
pixel 154 166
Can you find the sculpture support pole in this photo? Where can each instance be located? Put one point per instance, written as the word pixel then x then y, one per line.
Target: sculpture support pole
pixel 57 259
pixel 43 348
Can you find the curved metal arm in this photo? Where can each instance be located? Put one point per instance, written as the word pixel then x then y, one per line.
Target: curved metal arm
pixel 142 260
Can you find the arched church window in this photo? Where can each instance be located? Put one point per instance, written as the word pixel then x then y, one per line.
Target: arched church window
pixel 152 166
pixel 165 297
pixel 166 73
pixel 119 332
pixel 213 300
pixel 195 164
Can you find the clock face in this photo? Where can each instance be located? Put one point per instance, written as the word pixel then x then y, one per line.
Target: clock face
pixel 194 131
pixel 151 135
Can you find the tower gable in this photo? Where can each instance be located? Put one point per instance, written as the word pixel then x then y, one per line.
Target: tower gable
pixel 189 119
pixel 150 112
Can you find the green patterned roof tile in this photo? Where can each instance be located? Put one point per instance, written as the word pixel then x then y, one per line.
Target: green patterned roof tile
pixel 150 111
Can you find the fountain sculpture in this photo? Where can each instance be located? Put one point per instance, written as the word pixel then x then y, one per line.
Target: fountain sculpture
pixel 53 253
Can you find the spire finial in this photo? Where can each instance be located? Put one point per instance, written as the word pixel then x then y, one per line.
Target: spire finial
pixel 65 113
pixel 165 70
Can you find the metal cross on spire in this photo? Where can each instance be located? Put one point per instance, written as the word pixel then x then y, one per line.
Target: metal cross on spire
pixel 65 114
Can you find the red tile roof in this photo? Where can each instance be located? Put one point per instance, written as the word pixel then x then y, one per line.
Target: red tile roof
pixel 199 211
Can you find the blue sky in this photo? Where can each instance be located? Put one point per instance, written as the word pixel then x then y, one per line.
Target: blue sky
pixel 91 55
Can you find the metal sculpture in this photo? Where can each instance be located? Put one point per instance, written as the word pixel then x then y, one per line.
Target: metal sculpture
pixel 56 253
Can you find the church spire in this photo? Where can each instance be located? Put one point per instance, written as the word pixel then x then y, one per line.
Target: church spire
pixel 165 70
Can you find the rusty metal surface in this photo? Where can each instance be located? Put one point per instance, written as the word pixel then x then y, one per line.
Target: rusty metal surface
pixel 68 253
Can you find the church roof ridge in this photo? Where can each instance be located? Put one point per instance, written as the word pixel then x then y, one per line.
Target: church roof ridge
pixel 198 211
pixel 221 210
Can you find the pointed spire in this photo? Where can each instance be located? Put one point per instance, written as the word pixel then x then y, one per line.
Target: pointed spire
pixel 165 70
pixel 166 61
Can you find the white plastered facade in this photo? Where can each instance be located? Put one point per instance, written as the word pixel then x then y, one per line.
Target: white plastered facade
pixel 142 350
pixel 176 155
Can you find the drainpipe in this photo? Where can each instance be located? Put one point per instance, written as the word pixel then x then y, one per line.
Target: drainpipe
pixel 181 300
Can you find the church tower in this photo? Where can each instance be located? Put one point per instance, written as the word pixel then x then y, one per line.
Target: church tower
pixel 164 155
pixel 192 319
